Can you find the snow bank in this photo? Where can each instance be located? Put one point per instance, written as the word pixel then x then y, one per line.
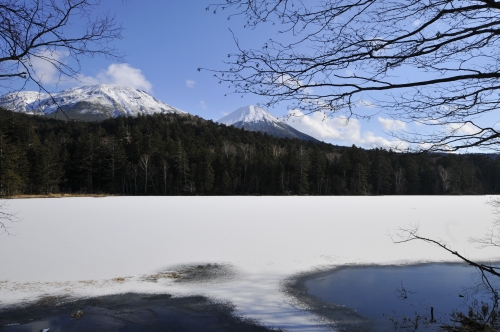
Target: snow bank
pixel 95 246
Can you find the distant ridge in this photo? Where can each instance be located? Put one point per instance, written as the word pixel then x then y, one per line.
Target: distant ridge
pixel 255 118
pixel 87 103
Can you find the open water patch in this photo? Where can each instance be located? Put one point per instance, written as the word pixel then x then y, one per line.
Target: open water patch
pixel 381 298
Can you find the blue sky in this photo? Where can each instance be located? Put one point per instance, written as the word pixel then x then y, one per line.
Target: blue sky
pixel 166 41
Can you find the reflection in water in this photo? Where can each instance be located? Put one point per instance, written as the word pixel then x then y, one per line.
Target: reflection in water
pixel 388 294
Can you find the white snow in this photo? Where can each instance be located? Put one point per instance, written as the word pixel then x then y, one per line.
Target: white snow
pixel 23 101
pixel 78 246
pixel 123 101
pixel 248 114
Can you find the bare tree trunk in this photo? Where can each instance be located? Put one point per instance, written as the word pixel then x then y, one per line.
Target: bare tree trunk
pixel 444 174
pixel 165 170
pixel 399 181
pixel 144 164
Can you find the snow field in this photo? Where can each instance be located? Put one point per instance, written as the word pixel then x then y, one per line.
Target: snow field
pixel 97 246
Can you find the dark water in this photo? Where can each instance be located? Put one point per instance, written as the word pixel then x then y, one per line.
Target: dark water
pixel 382 293
pixel 126 313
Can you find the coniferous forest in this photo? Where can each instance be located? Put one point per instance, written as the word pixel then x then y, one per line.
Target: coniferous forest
pixel 186 155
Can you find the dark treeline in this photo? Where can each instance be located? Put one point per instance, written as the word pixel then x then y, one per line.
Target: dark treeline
pixel 186 155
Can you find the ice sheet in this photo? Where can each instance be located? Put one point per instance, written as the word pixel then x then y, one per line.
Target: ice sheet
pixel 96 246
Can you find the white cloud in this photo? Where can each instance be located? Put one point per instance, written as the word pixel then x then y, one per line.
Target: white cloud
pixel 190 84
pixel 392 125
pixel 117 74
pixel 124 75
pixel 339 130
pixel 321 127
pixel 462 128
pixel 292 83
pixel 365 103
pixel 203 105
pixel 84 80
pixel 375 141
pixel 45 65
pixel 370 140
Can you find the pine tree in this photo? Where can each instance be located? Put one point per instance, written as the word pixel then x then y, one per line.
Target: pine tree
pixel 318 170
pixel 10 182
pixel 182 166
pixel 207 173
pixel 381 171
pixel 412 176
pixel 345 167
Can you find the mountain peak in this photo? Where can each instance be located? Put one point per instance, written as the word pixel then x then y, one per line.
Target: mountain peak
pixel 87 103
pixel 255 118
pixel 250 113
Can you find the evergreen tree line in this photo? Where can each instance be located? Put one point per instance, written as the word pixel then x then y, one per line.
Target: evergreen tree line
pixel 186 155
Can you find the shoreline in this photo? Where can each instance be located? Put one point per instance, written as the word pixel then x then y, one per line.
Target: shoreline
pixel 339 316
pixel 128 311
pixel 57 196
pixel 157 311
pixel 66 195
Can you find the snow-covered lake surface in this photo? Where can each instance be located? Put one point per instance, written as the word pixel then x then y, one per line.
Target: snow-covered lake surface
pixel 98 246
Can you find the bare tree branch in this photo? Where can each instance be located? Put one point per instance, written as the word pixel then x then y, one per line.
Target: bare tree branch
pixel 38 31
pixel 411 234
pixel 486 270
pixel 431 62
pixel 6 217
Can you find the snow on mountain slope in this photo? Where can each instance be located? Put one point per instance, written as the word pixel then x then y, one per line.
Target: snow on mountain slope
pixel 23 101
pixel 248 114
pixel 91 103
pixel 255 118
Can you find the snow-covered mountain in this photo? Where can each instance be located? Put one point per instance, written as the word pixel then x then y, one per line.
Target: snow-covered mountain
pixel 255 118
pixel 88 103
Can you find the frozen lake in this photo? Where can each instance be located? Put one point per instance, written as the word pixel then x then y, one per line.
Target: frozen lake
pixel 98 246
